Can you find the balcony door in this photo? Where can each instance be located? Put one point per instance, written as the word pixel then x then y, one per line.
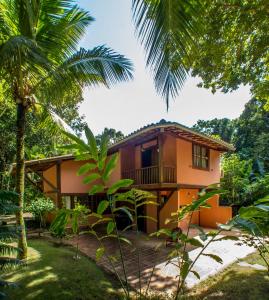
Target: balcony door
pixel 149 157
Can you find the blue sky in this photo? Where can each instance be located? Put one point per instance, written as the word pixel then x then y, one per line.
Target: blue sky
pixel 131 105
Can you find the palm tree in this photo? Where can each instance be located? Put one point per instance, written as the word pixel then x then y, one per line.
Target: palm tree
pixel 168 30
pixel 39 61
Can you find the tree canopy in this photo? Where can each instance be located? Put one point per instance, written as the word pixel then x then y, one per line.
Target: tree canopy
pixel 233 46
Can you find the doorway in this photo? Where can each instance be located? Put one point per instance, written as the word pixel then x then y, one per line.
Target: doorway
pixel 149 157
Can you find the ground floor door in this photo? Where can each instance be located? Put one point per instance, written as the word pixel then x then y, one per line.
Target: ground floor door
pixel 141 222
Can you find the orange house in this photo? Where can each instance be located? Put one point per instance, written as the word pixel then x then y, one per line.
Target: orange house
pixel 168 159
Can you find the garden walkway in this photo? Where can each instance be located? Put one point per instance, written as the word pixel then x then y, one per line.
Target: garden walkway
pixel 153 252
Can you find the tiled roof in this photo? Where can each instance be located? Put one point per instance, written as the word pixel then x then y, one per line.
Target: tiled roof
pixel 181 128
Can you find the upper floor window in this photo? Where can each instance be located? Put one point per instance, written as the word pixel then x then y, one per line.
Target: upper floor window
pixel 200 157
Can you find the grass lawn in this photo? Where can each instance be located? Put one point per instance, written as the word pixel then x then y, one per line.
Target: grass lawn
pixel 235 283
pixel 52 273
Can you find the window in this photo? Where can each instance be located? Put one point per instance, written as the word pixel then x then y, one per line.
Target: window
pixel 200 157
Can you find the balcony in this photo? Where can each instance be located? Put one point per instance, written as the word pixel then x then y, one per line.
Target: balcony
pixel 151 175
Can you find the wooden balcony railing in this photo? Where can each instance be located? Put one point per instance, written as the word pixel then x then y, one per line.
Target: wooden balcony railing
pixel 150 175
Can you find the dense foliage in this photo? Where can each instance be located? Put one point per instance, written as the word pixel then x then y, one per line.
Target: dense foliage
pixel 233 46
pixel 249 133
pixel 40 207
pixel 40 63
pixel 8 233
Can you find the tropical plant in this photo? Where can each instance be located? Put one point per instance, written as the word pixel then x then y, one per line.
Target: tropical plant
pixel 74 218
pixel 253 221
pixel 168 29
pixel 179 255
pixel 40 207
pixel 39 62
pixel 97 172
pixel 8 233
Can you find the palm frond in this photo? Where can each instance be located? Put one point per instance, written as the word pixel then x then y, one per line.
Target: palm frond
pixel 8 201
pixel 59 36
pixel 100 65
pixel 8 250
pixel 8 263
pixel 167 29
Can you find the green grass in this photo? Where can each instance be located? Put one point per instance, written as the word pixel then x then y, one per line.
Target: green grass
pixel 52 273
pixel 235 283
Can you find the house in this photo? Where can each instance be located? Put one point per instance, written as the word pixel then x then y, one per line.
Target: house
pixel 166 158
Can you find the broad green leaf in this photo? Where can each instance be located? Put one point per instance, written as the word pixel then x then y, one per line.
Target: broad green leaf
pixel 90 178
pixel 195 242
pixel 102 220
pixel 103 205
pixel 263 207
pixel 110 227
pixel 227 237
pixel 97 188
pixel 92 143
pixel 184 270
pixel 86 168
pixel 83 156
pixel 214 257
pixel 103 152
pixel 125 210
pixel 263 200
pixel 77 140
pixel 110 166
pixel 147 203
pixel 93 214
pixel 165 231
pixel 195 273
pixel 99 253
pixel 119 184
pixel 124 239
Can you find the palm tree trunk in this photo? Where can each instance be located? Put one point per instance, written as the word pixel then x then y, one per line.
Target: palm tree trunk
pixel 20 166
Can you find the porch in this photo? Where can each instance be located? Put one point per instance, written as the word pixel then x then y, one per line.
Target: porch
pixel 151 175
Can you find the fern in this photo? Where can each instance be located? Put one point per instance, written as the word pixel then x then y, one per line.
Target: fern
pixel 8 234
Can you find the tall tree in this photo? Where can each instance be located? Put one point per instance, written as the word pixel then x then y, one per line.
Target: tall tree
pixel 39 61
pixel 233 46
pixel 251 137
pixel 112 135
pixel 224 128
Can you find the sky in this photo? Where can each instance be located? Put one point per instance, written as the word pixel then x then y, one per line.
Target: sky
pixel 134 104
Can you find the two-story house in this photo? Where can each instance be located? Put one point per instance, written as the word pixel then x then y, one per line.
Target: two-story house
pixel 168 159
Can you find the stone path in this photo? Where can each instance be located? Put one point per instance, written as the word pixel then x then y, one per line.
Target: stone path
pixel 228 250
pixel 153 259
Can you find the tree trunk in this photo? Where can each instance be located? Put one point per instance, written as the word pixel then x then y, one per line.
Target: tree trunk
pixel 20 166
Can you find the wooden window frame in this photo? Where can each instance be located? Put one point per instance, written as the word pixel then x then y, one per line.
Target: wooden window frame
pixel 207 155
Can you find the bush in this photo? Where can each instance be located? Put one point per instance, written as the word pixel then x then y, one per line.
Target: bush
pixel 39 208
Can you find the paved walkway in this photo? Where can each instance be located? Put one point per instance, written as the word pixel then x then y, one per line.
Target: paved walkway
pixel 152 252
pixel 153 259
pixel 228 250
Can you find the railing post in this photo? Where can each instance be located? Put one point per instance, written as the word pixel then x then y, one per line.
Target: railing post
pixel 160 155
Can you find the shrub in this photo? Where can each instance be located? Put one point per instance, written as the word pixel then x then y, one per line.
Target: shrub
pixel 39 208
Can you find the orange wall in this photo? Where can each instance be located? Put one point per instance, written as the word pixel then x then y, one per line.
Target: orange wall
pixel 188 175
pixel 187 196
pixel 210 217
pixel 169 207
pixel 71 183
pixel 151 211
pixel 169 151
pixel 50 175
